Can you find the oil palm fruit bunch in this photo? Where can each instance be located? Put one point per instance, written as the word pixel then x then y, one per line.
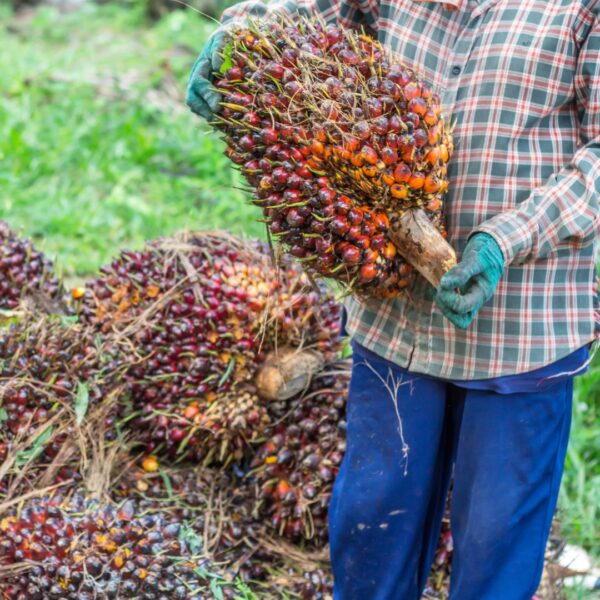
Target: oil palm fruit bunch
pixel 77 549
pixel 294 469
pixel 51 374
pixel 344 147
pixel 23 269
pixel 202 312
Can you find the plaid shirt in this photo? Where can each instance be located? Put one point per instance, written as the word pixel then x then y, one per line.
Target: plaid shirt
pixel 521 79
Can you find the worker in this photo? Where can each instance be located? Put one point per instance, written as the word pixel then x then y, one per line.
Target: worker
pixel 473 381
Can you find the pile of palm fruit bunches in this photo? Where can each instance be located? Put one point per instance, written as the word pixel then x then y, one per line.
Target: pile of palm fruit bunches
pixel 173 429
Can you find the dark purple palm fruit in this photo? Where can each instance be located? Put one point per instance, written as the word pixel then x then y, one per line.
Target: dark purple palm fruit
pixel 83 550
pixel 23 269
pixel 220 507
pixel 202 311
pixel 438 584
pixel 337 150
pixel 294 469
pixel 49 372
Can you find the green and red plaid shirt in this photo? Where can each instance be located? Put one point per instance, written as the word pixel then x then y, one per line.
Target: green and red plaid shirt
pixel 521 79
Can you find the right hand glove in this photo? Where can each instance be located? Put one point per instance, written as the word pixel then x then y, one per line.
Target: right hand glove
pixel 201 97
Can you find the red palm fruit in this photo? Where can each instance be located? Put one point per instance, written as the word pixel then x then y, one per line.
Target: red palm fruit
pixel 380 125
pixel 432 184
pixel 252 118
pixel 355 216
pixel 294 218
pixel 434 205
pixel 343 204
pixel 433 156
pixel 339 225
pixel 418 106
pixel 378 241
pixel 421 138
pixel 351 255
pixel 389 251
pixel 431 118
pixel 416 181
pixel 269 135
pixel 362 130
pixel 327 196
pixel 368 272
pixel 395 124
pixel 323 245
pixel 389 156
pixel 351 143
pixel 369 155
pixel 411 91
pixel 382 221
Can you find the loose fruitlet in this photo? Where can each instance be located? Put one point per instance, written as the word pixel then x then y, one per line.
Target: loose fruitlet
pixel 23 269
pixel 340 142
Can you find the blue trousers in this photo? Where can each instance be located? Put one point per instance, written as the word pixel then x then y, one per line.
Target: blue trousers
pixel 407 435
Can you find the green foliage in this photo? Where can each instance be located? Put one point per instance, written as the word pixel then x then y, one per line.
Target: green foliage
pixel 580 493
pixel 98 150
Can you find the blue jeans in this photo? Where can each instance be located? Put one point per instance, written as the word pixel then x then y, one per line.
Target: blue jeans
pixel 406 436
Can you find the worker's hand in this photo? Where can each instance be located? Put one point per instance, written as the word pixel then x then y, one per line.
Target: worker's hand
pixel 201 97
pixel 466 287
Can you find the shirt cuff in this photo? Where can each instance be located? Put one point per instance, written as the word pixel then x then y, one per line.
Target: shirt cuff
pixel 514 233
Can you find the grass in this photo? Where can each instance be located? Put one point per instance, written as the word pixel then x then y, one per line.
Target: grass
pixel 98 152
pixel 97 149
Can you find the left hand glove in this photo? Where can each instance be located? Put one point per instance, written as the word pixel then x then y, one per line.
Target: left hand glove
pixel 201 97
pixel 466 287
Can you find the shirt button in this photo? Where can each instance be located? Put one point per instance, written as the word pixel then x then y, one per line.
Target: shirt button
pixel 456 70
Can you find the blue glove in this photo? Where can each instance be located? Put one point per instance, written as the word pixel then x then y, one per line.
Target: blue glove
pixel 201 96
pixel 466 287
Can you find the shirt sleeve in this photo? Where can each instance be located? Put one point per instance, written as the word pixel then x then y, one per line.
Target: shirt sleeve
pixel 567 206
pixel 349 13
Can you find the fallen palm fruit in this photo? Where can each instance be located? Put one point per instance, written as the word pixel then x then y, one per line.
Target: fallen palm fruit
pixel 344 147
pixel 76 549
pixel 23 270
pixel 294 469
pixel 201 312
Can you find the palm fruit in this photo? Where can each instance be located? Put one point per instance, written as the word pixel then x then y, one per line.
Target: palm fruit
pixel 83 550
pixel 342 146
pixel 202 311
pixel 218 507
pixel 23 269
pixel 438 583
pixel 294 469
pixel 47 367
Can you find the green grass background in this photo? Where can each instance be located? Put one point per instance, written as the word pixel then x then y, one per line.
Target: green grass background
pixel 98 152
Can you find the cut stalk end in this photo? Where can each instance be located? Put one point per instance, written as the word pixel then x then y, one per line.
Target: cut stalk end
pixel 287 372
pixel 421 244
